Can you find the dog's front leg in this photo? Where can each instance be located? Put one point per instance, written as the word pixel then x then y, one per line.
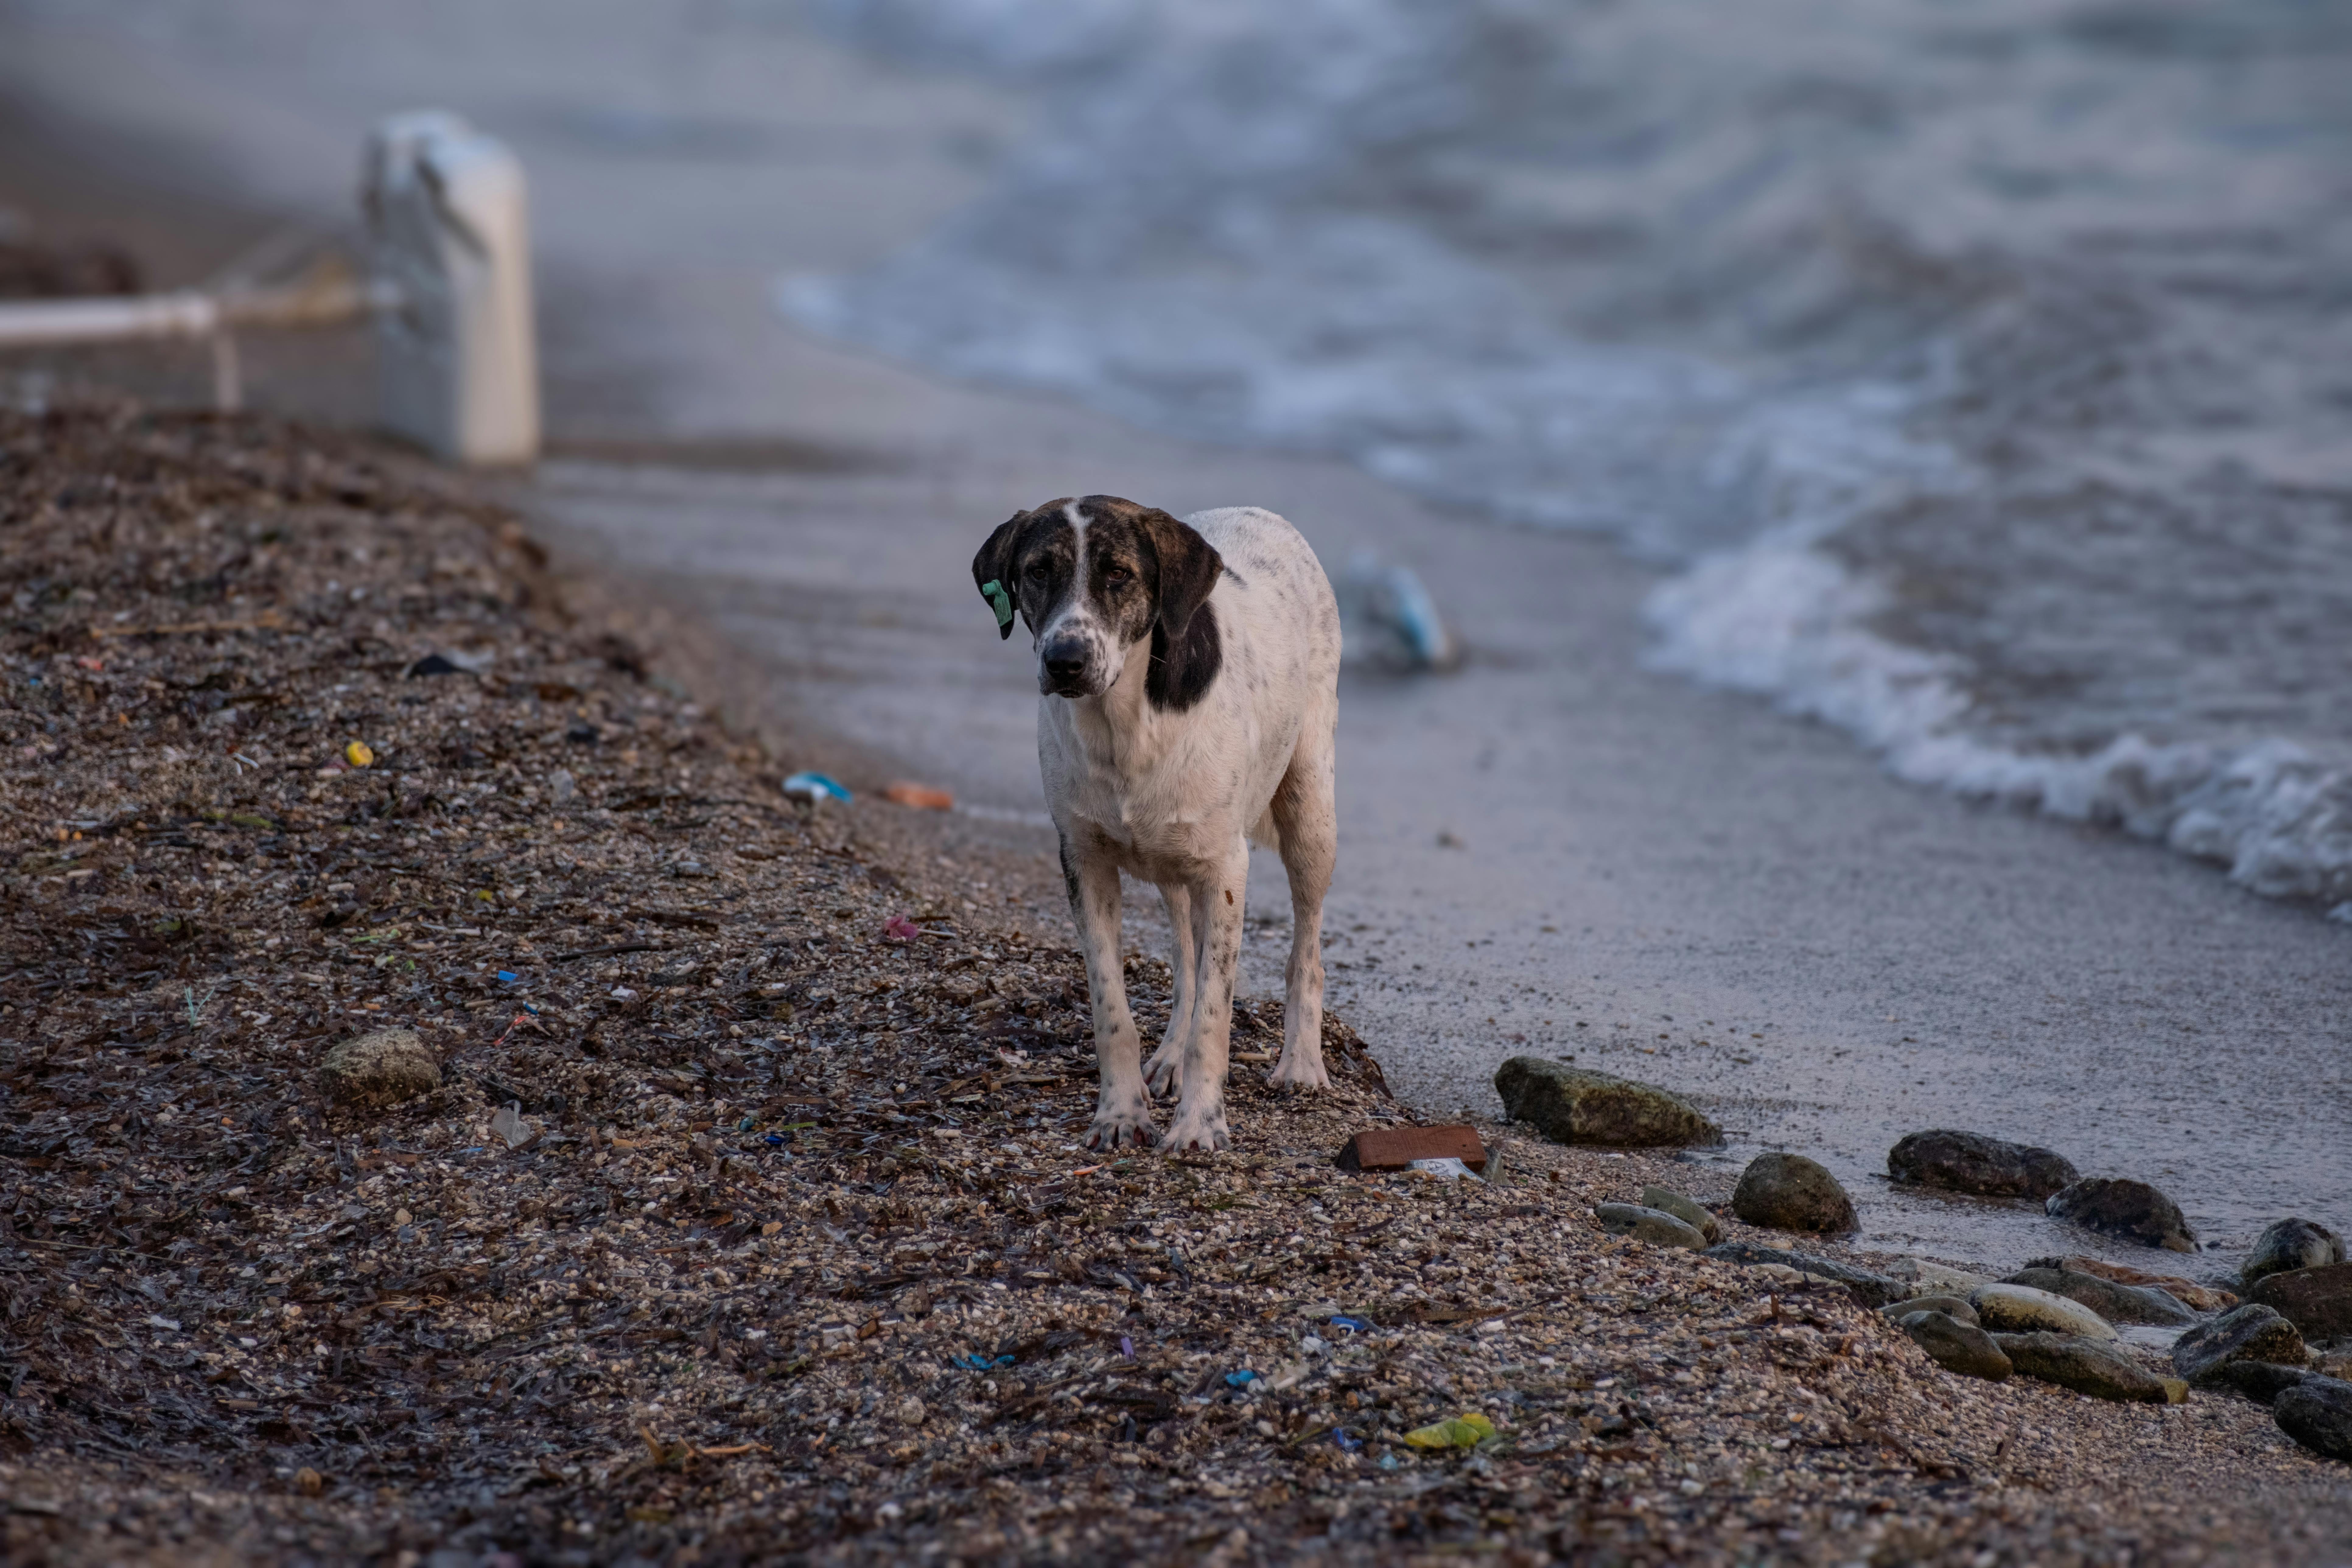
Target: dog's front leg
pixel 1122 1110
pixel 1217 945
pixel 1160 1074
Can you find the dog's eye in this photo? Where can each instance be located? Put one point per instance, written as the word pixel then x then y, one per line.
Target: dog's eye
pixel 1118 577
pixel 1039 571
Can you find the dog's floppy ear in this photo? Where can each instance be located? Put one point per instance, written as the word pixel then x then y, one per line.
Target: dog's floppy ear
pixel 1189 568
pixel 992 568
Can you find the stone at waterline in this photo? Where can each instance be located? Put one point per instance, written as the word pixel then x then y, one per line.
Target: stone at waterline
pixel 1954 1307
pixel 2114 1302
pixel 382 1069
pixel 1577 1105
pixel 1926 1278
pixel 2316 1300
pixel 1957 1346
pixel 2251 1333
pixel 1871 1289
pixel 1683 1209
pixel 2317 1413
pixel 2022 1309
pixel 2199 1298
pixel 2114 1206
pixel 1653 1226
pixel 1789 1192
pixel 1972 1163
pixel 2099 1368
pixel 2290 1244
pixel 2259 1381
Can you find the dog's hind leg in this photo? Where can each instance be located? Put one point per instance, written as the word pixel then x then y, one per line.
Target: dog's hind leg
pixel 1305 813
pixel 1162 1074
pixel 1122 1110
pixel 1216 897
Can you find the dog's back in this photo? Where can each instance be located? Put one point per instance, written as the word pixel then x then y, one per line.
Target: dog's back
pixel 1281 637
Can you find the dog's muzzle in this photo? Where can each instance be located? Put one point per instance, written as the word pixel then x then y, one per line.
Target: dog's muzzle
pixel 1067 668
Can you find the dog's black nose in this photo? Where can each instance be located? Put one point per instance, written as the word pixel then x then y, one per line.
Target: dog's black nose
pixel 1066 661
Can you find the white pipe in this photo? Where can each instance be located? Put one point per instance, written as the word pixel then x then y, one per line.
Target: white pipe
pixel 43 323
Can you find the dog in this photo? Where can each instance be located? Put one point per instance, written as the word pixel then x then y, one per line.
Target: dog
pixel 1188 680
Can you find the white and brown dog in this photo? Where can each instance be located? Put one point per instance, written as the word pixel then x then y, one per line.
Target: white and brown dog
pixel 1188 675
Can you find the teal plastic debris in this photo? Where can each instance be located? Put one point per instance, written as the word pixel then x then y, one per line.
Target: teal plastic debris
pixel 1241 1379
pixel 813 787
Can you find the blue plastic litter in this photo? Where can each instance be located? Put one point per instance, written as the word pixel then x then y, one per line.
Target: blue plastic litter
pixel 814 787
pixel 1127 1347
pixel 981 1362
pixel 776 1140
pixel 1348 1441
pixel 530 1009
pixel 507 975
pixel 1351 1325
pixel 1241 1379
pixel 747 1124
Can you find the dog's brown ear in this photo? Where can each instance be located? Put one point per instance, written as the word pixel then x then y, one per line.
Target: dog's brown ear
pixel 1189 568
pixel 992 573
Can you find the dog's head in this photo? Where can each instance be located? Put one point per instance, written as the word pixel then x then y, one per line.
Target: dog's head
pixel 1092 577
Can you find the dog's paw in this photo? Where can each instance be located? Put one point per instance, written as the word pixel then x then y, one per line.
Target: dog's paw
pixel 1160 1076
pixel 1121 1130
pixel 1299 1070
pixel 1196 1130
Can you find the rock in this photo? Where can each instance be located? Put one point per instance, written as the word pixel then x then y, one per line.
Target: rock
pixel 2117 1302
pixel 2022 1309
pixel 1576 1105
pixel 1953 1307
pixel 1957 1346
pixel 1972 1163
pixel 2251 1333
pixel 2202 1297
pixel 1871 1289
pixel 379 1070
pixel 2317 1413
pixel 1653 1226
pixel 1789 1192
pixel 2099 1368
pixel 2290 1244
pixel 2316 1300
pixel 2259 1381
pixel 1927 1279
pixel 2133 1210
pixel 1685 1210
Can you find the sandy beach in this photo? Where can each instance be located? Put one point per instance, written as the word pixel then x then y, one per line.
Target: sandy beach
pixel 1554 850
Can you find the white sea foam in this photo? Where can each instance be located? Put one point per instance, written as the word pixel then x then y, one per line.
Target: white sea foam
pixel 1977 367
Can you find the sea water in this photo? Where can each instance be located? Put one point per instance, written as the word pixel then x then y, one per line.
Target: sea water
pixel 1982 371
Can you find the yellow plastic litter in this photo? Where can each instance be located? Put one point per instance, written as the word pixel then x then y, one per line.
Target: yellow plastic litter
pixel 1466 1430
pixel 358 754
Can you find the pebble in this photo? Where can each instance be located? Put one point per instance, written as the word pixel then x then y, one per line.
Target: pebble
pixel 1872 1290
pixel 1926 1278
pixel 2251 1333
pixel 2022 1309
pixel 2201 1298
pixel 1954 1307
pixel 1957 1346
pixel 2317 1413
pixel 2099 1368
pixel 1653 1226
pixel 2114 1302
pixel 2316 1300
pixel 1578 1105
pixel 1685 1209
pixel 2290 1244
pixel 380 1069
pixel 2117 1206
pixel 1972 1163
pixel 1790 1192
pixel 2259 1381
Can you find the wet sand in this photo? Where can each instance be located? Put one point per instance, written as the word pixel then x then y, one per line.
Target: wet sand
pixel 1677 885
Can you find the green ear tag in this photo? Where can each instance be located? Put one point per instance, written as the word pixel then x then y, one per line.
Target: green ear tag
pixel 993 592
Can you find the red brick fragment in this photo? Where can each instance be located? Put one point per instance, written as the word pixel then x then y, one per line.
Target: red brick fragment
pixel 1394 1148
